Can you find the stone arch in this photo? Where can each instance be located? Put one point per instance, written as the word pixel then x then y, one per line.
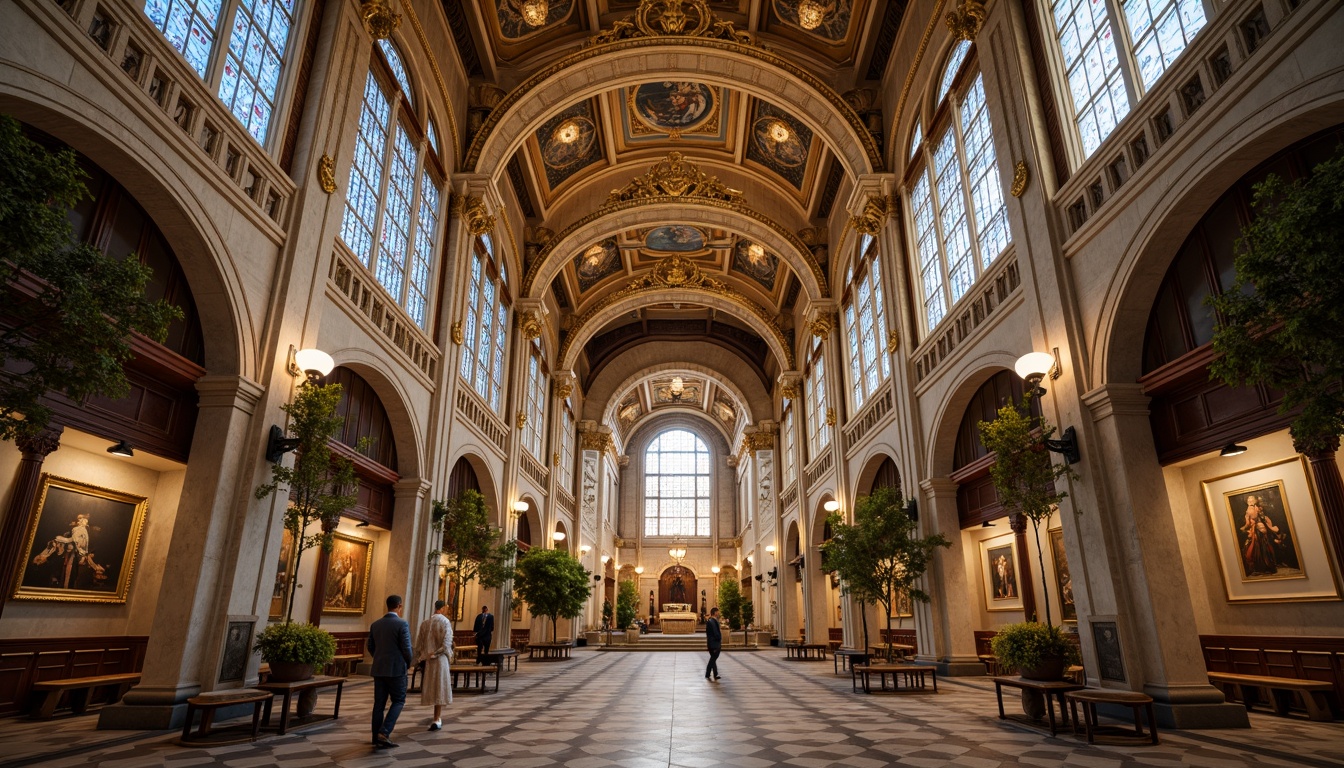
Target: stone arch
pixel 591 323
pixel 943 441
pixel 592 71
pixel 405 427
pixel 608 222
pixel 540 538
pixel 118 144
pixel 565 543
pixel 473 454
pixel 874 459
pixel 819 516
pixel 692 421
pixel 1132 288
pixel 606 383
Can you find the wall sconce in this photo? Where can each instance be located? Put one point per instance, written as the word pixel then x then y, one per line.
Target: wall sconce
pixel 1033 368
pixel 987 524
pixel 639 570
pixel 585 549
pixel 558 536
pixel 1066 446
pixel 313 363
pixel 831 506
pixel 606 559
pixel 597 577
pixel 749 560
pixel 715 570
pixel 520 506
pixel 124 449
pixel 912 510
pixel 770 548
pixel 1231 449
pixel 760 576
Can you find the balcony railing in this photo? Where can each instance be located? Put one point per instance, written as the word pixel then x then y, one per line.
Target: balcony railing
pixel 482 418
pixel 538 474
pixel 370 302
pixel 990 293
pixel 872 414
pixel 818 468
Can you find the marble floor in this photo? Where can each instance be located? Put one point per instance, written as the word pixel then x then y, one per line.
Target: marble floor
pixel 656 710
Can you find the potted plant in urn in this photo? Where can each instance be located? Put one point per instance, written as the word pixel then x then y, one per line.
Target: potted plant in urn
pixel 294 651
pixel 627 598
pixel 1037 651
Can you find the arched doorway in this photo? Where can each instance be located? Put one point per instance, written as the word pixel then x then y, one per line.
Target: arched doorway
pixel 677 584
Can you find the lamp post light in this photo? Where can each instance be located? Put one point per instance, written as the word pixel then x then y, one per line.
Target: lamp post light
pixel 314 364
pixel 1033 367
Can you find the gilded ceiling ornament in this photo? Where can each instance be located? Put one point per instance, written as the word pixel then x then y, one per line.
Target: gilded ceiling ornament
pixel 379 18
pixel 1020 179
pixel 830 417
pixel 821 325
pixel 326 174
pixel 478 218
pixel 874 215
pixel 965 22
pixel 458 336
pixel 529 322
pixel 675 176
pixel 664 18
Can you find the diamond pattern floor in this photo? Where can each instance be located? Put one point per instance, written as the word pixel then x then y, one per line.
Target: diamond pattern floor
pixel 658 711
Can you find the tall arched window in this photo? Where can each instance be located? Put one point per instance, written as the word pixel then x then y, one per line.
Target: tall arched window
pixel 676 485
pixel 818 404
pixel 960 219
pixel 249 63
pixel 392 207
pixel 789 447
pixel 1089 35
pixel 566 464
pixel 486 328
pixel 865 312
pixel 534 429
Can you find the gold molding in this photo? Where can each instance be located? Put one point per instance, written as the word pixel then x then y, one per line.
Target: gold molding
pixel 473 211
pixel 594 441
pixel 563 389
pixel 458 336
pixel 529 322
pixel 789 391
pixel 1020 179
pixel 661 18
pixel 821 325
pixel 830 417
pixel 326 173
pixel 698 45
pixel 379 18
pixel 893 341
pixel 706 202
pixel 522 420
pixel 758 441
pixel 876 209
pixel 675 176
pixel 675 272
pixel 965 22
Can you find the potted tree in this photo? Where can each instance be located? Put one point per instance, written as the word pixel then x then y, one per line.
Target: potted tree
pixel 320 486
pixel 730 604
pixel 553 584
pixel 1037 651
pixel 470 548
pixel 627 607
pixel 748 618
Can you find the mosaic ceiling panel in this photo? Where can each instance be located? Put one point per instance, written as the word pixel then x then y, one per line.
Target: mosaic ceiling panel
pixel 569 142
pixel 597 263
pixel 757 263
pixel 780 143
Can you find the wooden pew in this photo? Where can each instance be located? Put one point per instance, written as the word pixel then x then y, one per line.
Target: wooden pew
pixel 79 688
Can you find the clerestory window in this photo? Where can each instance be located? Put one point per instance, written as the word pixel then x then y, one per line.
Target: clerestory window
pixel 676 485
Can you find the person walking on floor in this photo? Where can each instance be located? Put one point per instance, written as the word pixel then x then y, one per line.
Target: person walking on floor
pixel 484 629
pixel 434 649
pixel 714 639
pixel 390 645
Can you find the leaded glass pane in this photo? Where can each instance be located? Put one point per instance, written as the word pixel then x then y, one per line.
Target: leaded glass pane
pixel 189 26
pixel 426 230
pixel 954 62
pixel 991 213
pixel 252 65
pixel 676 487
pixel 396 229
pixel 434 138
pixel 397 67
pixel 855 364
pixel 1092 68
pixel 914 141
pixel 926 240
pixel 952 216
pixel 1160 30
pixel 366 173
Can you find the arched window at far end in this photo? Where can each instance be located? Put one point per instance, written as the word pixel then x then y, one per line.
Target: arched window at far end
pixel 676 485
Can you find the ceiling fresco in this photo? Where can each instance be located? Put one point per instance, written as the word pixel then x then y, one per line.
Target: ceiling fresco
pixel 675 238
pixel 519 19
pixel 780 143
pixel 597 263
pixel 757 263
pixel 664 389
pixel 827 19
pixel 568 143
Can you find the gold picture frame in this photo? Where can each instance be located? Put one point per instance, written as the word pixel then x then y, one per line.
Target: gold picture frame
pixel 1267 534
pixel 347 584
pixel 284 574
pixel 1000 573
pixel 1068 610
pixel 86 539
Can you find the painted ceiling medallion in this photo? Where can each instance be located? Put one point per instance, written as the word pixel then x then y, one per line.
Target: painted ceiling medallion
pixel 811 13
pixel 754 261
pixel 519 19
pixel 673 106
pixel 674 176
pixel 681 18
pixel 534 12
pixel 600 261
pixel 677 238
pixel 827 19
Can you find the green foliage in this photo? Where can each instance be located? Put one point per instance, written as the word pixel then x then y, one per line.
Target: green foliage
pixel 607 614
pixel 68 330
pixel 748 613
pixel 1281 321
pixel 321 485
pixel 730 603
pixel 1024 477
pixel 627 604
pixel 1024 645
pixel 553 584
pixel 472 549
pixel 880 554
pixel 297 643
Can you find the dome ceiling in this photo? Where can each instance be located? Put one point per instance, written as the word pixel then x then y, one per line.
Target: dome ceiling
pixel 684 388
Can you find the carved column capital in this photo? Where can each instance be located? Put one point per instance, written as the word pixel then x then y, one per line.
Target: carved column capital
pixel 564 383
pixel 821 318
pixel 790 384
pixel 38 446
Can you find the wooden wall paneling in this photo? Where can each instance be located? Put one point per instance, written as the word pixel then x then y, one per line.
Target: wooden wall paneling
pixel 24 661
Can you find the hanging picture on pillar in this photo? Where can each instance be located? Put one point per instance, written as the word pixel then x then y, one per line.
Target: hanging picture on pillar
pixel 998 566
pixel 1063 581
pixel 901 605
pixel 81 544
pixel 284 569
pixel 347 585
pixel 1267 534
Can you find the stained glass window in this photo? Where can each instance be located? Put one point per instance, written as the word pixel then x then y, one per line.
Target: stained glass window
pixel 676 485
pixel 818 431
pixel 190 26
pixel 954 62
pixel 566 468
pixel 1092 69
pixel 484 331
pixel 251 78
pixel 366 172
pixel 787 437
pixel 395 236
pixel 957 205
pixel 422 256
pixel 866 329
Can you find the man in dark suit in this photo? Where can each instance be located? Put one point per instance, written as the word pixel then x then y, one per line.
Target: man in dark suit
pixel 485 629
pixel 390 644
pixel 714 639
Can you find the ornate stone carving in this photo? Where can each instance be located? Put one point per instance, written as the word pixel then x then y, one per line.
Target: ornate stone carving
pixel 965 22
pixel 40 445
pixel 1020 179
pixel 875 212
pixel 758 441
pixel 326 174
pixel 675 176
pixel 555 459
pixel 790 385
pixel 893 341
pixel 522 420
pixel 563 389
pixel 594 441
pixel 662 18
pixel 379 18
pixel 530 323
pixel 473 211
pixel 830 417
pixel 821 325
pixel 458 336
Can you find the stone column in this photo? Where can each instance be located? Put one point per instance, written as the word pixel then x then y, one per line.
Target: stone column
pixel 185 639
pixel 1129 568
pixel 1330 487
pixel 946 624
pixel 34 450
pixel 407 571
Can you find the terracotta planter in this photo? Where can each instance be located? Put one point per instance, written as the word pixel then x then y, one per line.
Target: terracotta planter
pixel 1049 669
pixel 290 671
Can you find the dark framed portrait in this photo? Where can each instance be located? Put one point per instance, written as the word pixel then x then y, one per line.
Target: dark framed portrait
pixel 237 650
pixel 348 566
pixel 999 568
pixel 1068 611
pixel 1110 657
pixel 284 571
pixel 82 543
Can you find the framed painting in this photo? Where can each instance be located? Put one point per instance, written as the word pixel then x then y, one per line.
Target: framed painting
pixel 1068 611
pixel 348 565
pixel 999 570
pixel 902 607
pixel 237 650
pixel 1267 533
pixel 82 542
pixel 284 571
pixel 1106 642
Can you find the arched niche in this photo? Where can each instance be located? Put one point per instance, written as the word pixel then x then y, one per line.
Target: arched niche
pixel 678 584
pixel 977 501
pixel 563 544
pixel 879 471
pixel 366 439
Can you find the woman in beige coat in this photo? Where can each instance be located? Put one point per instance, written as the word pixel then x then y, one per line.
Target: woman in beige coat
pixel 434 647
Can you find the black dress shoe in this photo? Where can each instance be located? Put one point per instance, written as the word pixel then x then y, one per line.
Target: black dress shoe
pixel 716 678
pixel 382 742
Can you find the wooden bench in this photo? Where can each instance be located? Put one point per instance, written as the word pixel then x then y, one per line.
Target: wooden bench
pixel 518 639
pixel 891 651
pixel 344 664
pixel 843 658
pixel 474 672
pixel 548 651
pixel 501 657
pixel 914 675
pixel 1091 697
pixel 807 651
pixel 1049 689
pixel 208 703
pixel 287 691
pixel 79 689
pixel 1282 690
pixel 464 653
